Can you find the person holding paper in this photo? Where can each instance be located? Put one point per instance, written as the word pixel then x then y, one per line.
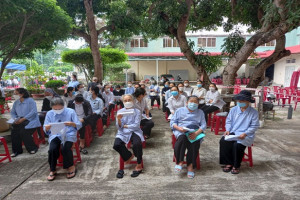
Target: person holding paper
pixel 26 121
pixel 68 124
pixel 118 93
pixel 242 121
pixel 188 116
pixel 129 130
pixel 176 100
pixel 140 103
pixel 200 92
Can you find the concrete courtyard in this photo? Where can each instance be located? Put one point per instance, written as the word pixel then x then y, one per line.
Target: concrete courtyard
pixel 275 174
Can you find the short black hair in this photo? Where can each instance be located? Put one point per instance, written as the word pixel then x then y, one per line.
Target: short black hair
pixel 191 97
pixel 139 91
pixel 137 84
pixel 79 85
pixel 118 86
pixel 79 98
pixel 24 92
pixel 69 89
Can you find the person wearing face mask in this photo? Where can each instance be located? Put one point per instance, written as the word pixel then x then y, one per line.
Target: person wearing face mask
pixel 60 114
pixel 181 90
pixel 109 97
pixel 118 93
pixel 24 112
pixel 187 88
pixel 190 117
pixel 74 82
pixel 81 90
pixel 49 94
pixel 154 94
pixel 147 97
pixel 94 83
pixel 200 92
pixel 213 101
pixel 163 94
pixel 97 103
pixel 241 121
pixel 176 100
pixel 129 89
pixel 140 103
pixel 69 95
pixel 129 130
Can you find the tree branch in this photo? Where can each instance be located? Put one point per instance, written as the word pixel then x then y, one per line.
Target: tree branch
pixel 104 28
pixel 80 33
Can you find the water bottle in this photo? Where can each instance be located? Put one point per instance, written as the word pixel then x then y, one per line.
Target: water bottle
pixel 290 112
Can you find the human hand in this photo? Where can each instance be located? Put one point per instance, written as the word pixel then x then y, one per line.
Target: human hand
pixel 193 135
pixel 70 124
pixel 47 127
pixel 226 133
pixel 119 117
pixel 242 136
pixel 181 129
pixel 81 120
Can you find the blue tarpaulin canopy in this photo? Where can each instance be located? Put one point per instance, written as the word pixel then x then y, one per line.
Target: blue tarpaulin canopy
pixel 14 66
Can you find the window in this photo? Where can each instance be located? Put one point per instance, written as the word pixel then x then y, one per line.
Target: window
pixel 290 60
pixel 269 44
pixel 206 42
pixel 138 43
pixel 168 42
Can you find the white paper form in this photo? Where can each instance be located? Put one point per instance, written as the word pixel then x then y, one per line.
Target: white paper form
pixel 232 137
pixel 125 112
pixel 170 116
pixel 59 128
pixel 144 116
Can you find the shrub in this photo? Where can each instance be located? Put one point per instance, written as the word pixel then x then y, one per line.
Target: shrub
pixel 54 84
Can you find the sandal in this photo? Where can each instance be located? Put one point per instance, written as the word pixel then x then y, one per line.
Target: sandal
pixel 190 175
pixel 51 177
pixel 14 155
pixel 146 136
pixel 82 150
pixel 235 171
pixel 178 168
pixel 70 173
pixel 136 173
pixel 120 174
pixel 227 169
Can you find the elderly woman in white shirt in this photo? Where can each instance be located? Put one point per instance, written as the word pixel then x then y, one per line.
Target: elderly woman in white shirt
pixel 213 101
pixel 176 100
pixel 200 92
pixel 129 130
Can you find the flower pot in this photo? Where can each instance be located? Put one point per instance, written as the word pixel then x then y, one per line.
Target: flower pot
pixel 38 96
pixel 4 126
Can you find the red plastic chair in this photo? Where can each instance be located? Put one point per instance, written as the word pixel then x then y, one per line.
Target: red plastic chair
pixel 76 157
pixel 5 155
pixel 100 127
pixel 297 99
pixel 218 124
pixel 237 89
pixel 112 115
pixel 88 136
pixel 143 144
pixel 122 163
pixel 238 81
pixel 248 157
pixel 283 97
pixel 209 118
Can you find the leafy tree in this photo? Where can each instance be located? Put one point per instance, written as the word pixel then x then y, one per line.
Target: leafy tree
pixel 28 25
pixel 114 72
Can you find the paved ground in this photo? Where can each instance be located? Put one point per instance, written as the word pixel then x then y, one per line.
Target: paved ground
pixel 275 174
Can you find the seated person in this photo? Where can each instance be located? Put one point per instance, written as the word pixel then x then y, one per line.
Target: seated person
pixel 129 89
pixel 163 94
pixel 49 94
pixel 181 90
pixel 25 114
pixel 242 121
pixel 68 116
pixel 200 92
pixel 97 104
pixel 191 117
pixel 213 101
pixel 176 100
pixel 129 130
pixel 85 115
pixel 69 95
pixel 140 103
pixel 110 98
pixel 187 88
pixel 81 90
pixel 118 92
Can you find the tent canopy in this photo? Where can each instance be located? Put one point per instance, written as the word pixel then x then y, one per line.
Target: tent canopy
pixel 14 66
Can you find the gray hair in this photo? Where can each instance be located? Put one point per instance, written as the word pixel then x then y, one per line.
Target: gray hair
pixel 125 95
pixel 57 101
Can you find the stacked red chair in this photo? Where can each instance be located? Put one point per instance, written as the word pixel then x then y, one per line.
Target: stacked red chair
pixel 88 136
pixel 76 157
pixel 100 127
pixel 297 99
pixel 218 124
pixel 5 155
pixel 209 118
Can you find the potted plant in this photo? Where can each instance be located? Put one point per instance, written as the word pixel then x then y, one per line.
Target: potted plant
pixel 36 91
pixel 56 86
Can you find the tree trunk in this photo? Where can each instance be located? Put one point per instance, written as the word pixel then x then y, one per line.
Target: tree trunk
pixel 98 66
pixel 279 52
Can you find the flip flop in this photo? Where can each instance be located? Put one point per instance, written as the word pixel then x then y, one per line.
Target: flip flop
pixel 190 175
pixel 84 151
pixel 70 173
pixel 178 168
pixel 120 174
pixel 52 176
pixel 136 173
pixel 227 169
pixel 235 171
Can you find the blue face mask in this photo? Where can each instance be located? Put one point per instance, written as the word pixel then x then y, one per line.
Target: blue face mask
pixel 192 106
pixel 166 86
pixel 199 85
pixel 241 105
pixel 73 93
pixel 174 93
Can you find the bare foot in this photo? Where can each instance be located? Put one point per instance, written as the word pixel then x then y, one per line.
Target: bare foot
pixel 138 167
pixel 190 168
pixel 51 176
pixel 129 160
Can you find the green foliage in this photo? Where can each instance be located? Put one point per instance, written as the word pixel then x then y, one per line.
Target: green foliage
pixel 233 43
pixel 33 78
pixel 114 72
pixel 63 68
pixel 54 84
pixel 27 62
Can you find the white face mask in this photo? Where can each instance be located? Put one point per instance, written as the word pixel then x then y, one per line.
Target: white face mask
pixel 212 89
pixel 49 97
pixel 129 85
pixel 186 84
pixel 16 97
pixel 128 104
pixel 180 89
pixel 107 90
pixel 59 111
pixel 118 90
pixel 81 90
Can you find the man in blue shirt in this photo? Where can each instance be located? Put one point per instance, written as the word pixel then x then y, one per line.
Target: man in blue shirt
pixel 241 121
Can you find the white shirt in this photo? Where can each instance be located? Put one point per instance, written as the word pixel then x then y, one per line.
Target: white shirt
pixel 67 99
pixel 188 90
pixel 79 111
pixel 216 97
pixel 85 94
pixel 174 104
pixel 200 93
pixel 141 106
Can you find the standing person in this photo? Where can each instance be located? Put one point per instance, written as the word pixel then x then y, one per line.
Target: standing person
pixel 191 117
pixel 200 92
pixel 118 92
pixel 176 100
pixel 74 82
pixel 69 95
pixel 163 94
pixel 213 101
pixel 181 90
pixel 187 88
pixel 140 103
pixel 25 114
pixel 60 114
pixel 129 89
pixel 94 83
pixel 154 94
pixel 241 121
pixel 81 90
pixel 129 130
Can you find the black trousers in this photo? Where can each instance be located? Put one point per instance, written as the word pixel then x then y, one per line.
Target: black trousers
pixel 208 109
pixel 136 142
pixel 153 98
pixel 181 144
pixel 18 135
pixel 147 125
pixel 110 107
pixel 66 151
pixel 90 120
pixel 164 108
pixel 231 152
pixel 168 111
